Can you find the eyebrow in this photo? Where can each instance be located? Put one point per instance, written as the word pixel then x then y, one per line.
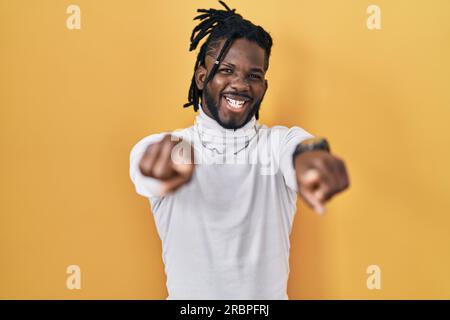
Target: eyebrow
pixel 254 69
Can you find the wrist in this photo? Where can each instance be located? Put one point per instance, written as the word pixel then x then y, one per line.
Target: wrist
pixel 311 144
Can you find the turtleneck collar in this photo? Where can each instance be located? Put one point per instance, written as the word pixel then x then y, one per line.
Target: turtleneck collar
pixel 223 141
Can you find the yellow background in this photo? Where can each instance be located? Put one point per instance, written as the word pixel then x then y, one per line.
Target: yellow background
pixel 74 102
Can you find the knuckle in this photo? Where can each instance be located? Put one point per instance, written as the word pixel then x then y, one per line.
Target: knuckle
pixel 143 166
pixel 154 174
pixel 342 186
pixel 158 172
pixel 343 166
pixel 319 161
pixel 346 184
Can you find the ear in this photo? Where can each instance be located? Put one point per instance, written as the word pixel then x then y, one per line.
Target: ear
pixel 200 77
pixel 266 84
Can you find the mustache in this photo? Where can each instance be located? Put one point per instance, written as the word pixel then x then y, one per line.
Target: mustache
pixel 237 94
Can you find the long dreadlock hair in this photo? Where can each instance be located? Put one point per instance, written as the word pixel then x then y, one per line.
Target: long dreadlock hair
pixel 221 25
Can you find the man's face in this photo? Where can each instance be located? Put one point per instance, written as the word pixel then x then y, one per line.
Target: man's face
pixel 235 93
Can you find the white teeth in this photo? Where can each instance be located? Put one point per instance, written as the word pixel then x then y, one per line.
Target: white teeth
pixel 235 103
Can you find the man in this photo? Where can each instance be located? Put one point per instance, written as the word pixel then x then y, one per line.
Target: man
pixel 223 192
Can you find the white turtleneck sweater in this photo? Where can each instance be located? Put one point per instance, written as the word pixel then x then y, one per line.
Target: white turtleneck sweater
pixel 225 234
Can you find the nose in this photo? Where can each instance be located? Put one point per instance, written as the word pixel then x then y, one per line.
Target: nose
pixel 239 83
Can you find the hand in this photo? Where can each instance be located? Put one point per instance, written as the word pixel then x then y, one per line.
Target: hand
pixel 171 161
pixel 320 176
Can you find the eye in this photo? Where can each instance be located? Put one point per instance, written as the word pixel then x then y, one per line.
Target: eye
pixel 226 70
pixel 255 76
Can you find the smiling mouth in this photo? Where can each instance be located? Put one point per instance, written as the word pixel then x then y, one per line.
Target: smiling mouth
pixel 235 104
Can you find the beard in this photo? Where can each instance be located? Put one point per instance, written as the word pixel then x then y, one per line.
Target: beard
pixel 213 107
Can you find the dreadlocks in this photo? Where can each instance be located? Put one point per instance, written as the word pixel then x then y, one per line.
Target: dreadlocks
pixel 221 25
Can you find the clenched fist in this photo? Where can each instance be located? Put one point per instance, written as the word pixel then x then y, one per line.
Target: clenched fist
pixel 320 176
pixel 171 161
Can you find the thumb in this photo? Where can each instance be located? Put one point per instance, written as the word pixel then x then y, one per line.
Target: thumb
pixel 310 179
pixel 172 184
pixel 309 187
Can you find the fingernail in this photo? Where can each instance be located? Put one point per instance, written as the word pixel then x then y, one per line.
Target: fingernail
pixel 310 174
